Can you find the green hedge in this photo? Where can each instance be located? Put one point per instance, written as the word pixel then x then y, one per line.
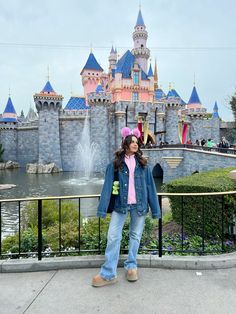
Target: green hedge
pixel 193 214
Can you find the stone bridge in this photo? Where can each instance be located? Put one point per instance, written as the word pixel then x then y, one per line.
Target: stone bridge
pixel 177 162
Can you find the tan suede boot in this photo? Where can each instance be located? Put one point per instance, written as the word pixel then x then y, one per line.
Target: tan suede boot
pixel 132 274
pixel 98 281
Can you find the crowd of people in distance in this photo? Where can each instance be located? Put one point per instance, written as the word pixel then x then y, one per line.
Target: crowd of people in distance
pixel 209 143
pixel 224 144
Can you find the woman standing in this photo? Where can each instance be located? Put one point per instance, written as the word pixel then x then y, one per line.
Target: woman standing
pixel 136 193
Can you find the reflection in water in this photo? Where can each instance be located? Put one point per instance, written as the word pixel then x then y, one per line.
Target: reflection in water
pixel 34 185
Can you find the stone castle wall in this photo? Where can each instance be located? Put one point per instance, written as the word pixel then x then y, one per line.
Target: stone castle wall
pixel 27 145
pixel 70 134
pixel 8 139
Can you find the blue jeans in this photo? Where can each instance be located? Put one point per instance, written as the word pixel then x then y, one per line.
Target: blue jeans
pixel 109 268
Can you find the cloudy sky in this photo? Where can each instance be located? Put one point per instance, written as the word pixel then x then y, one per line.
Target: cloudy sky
pixel 187 38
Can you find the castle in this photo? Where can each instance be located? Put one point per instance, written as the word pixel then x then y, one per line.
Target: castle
pixel 128 95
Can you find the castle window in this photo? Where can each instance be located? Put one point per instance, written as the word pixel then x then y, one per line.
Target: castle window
pixel 136 77
pixel 135 96
pixel 141 46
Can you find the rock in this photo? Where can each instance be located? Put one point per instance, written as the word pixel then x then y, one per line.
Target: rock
pixel 12 164
pixel 9 165
pixel 232 174
pixel 40 168
pixel 32 168
pixel 7 186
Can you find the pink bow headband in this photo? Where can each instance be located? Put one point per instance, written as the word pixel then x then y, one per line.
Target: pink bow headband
pixel 127 131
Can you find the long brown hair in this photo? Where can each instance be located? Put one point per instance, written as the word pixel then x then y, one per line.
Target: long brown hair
pixel 120 154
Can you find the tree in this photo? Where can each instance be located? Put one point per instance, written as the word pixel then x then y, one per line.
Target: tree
pixel 1 152
pixel 233 106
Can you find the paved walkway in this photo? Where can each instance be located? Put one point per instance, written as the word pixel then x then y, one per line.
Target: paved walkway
pixel 159 290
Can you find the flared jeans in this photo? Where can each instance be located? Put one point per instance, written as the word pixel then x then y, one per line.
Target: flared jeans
pixel 109 268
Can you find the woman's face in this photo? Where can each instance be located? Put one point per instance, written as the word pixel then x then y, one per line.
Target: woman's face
pixel 133 146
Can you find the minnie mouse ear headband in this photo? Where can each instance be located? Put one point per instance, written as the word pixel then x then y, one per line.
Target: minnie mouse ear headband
pixel 127 131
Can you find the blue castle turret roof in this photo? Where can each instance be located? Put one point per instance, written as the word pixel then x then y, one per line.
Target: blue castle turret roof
pixel 99 88
pixel 76 103
pixel 92 64
pixel 159 94
pixel 194 99
pixel 140 21
pixel 150 72
pixel 9 114
pixel 125 65
pixel 112 50
pixel 48 88
pixel 173 94
pixel 215 111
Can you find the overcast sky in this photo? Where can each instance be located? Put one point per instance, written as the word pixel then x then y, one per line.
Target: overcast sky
pixel 186 38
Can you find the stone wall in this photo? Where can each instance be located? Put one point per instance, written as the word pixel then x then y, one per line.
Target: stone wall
pixel 99 127
pixel 49 138
pixel 27 145
pixel 70 135
pixel 179 162
pixel 8 139
pixel 204 128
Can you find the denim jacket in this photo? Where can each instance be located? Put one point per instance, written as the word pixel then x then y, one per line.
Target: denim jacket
pixel 145 189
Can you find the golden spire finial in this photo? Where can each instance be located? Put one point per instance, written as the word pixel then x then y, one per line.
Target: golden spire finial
pixel 140 5
pixel 170 86
pixel 155 76
pixel 91 47
pixel 9 92
pixel 194 82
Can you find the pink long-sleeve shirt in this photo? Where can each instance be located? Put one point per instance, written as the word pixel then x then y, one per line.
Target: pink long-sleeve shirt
pixel 130 162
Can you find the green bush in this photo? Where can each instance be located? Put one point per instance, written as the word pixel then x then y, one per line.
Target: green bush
pixel 193 213
pixel 50 227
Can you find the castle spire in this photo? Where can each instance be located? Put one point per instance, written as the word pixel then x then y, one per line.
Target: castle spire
pixel 140 36
pixel 140 21
pixel 9 114
pixel 215 111
pixel 150 72
pixel 112 58
pixel 155 76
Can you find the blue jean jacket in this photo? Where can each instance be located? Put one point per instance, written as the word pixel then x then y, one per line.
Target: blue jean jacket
pixel 145 189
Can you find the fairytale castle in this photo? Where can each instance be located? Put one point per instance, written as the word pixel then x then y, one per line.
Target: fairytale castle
pixel 128 95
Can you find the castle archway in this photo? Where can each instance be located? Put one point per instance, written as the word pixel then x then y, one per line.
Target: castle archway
pixel 157 173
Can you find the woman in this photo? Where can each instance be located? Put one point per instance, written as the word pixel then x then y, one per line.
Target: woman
pixel 136 191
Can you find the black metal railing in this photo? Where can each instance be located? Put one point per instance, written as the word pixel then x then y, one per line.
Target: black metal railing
pixel 160 249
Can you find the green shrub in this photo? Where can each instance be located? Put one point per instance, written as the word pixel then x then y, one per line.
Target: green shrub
pixel 193 213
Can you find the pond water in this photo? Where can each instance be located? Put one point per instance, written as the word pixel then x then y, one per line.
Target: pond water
pixel 56 184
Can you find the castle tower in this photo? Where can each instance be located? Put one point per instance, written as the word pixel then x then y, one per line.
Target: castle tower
pixel 8 132
pixel 100 126
pixel 48 104
pixel 215 113
pixel 215 125
pixel 194 100
pixel 174 105
pixel 112 59
pixel 140 36
pixel 91 75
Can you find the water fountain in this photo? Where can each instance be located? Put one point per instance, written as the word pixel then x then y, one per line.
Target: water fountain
pixel 86 152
